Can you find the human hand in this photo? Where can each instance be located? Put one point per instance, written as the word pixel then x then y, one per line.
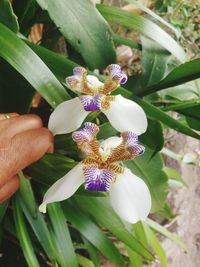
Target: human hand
pixel 23 140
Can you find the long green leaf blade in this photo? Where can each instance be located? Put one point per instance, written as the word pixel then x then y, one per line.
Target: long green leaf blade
pixel 7 16
pixel 62 236
pixel 186 72
pixel 144 26
pixel 100 209
pixel 23 236
pixel 41 231
pixel 83 26
pixel 156 113
pixel 25 61
pixel 91 231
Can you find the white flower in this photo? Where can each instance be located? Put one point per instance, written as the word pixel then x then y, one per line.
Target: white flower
pixel 123 114
pixel 101 171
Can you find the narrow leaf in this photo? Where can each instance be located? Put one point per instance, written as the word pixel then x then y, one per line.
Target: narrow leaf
pixel 7 16
pixel 41 231
pixel 100 209
pixel 26 194
pixel 92 232
pixel 143 26
pixel 83 27
pixel 25 61
pixel 154 243
pixel 162 230
pixel 62 236
pixel 23 236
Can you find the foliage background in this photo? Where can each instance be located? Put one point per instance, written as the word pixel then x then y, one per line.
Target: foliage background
pixel 79 230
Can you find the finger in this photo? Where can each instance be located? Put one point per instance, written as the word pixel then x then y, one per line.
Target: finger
pixel 18 124
pixel 6 116
pixel 24 149
pixel 9 188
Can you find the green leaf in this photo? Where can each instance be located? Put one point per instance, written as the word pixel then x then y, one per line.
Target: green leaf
pixel 150 170
pixel 182 92
pixel 153 137
pixel 124 41
pixel 92 232
pixel 26 62
pixel 50 168
pixel 156 113
pixel 93 252
pixel 100 209
pixel 155 244
pixel 135 259
pixel 7 16
pixel 144 26
pixel 162 230
pixel 41 231
pixel 83 261
pixel 192 115
pixel 186 72
pixel 62 236
pixel 21 98
pixel 59 65
pixel 23 236
pixel 26 194
pixel 154 62
pixel 153 14
pixel 83 27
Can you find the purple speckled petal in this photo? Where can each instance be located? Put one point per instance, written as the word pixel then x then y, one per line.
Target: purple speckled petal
pixel 116 73
pixel 98 180
pixel 132 144
pixel 91 103
pixel 85 134
pixel 79 71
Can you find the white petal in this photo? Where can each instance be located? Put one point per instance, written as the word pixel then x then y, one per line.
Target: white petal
pixel 130 197
pixel 67 117
pixel 64 187
pixel 126 115
pixel 93 82
pixel 111 143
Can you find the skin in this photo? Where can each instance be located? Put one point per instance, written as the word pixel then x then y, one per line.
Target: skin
pixel 23 140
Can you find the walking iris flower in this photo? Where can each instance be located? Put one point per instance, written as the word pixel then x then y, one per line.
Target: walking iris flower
pixel 123 114
pixel 102 170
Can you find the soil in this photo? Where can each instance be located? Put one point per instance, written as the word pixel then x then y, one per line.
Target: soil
pixel 186 204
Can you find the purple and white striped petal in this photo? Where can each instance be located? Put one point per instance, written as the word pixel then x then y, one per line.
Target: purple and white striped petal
pixel 116 73
pixel 85 134
pixel 79 71
pixel 91 103
pixel 74 82
pixel 132 144
pixel 98 179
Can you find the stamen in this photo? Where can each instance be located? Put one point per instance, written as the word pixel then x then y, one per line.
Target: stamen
pixel 105 103
pixel 119 153
pixel 98 179
pixel 91 103
pixel 132 144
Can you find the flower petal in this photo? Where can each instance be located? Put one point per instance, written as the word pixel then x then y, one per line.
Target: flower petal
pixel 126 115
pixel 64 187
pixel 67 117
pixel 93 82
pixel 130 197
pixel 110 143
